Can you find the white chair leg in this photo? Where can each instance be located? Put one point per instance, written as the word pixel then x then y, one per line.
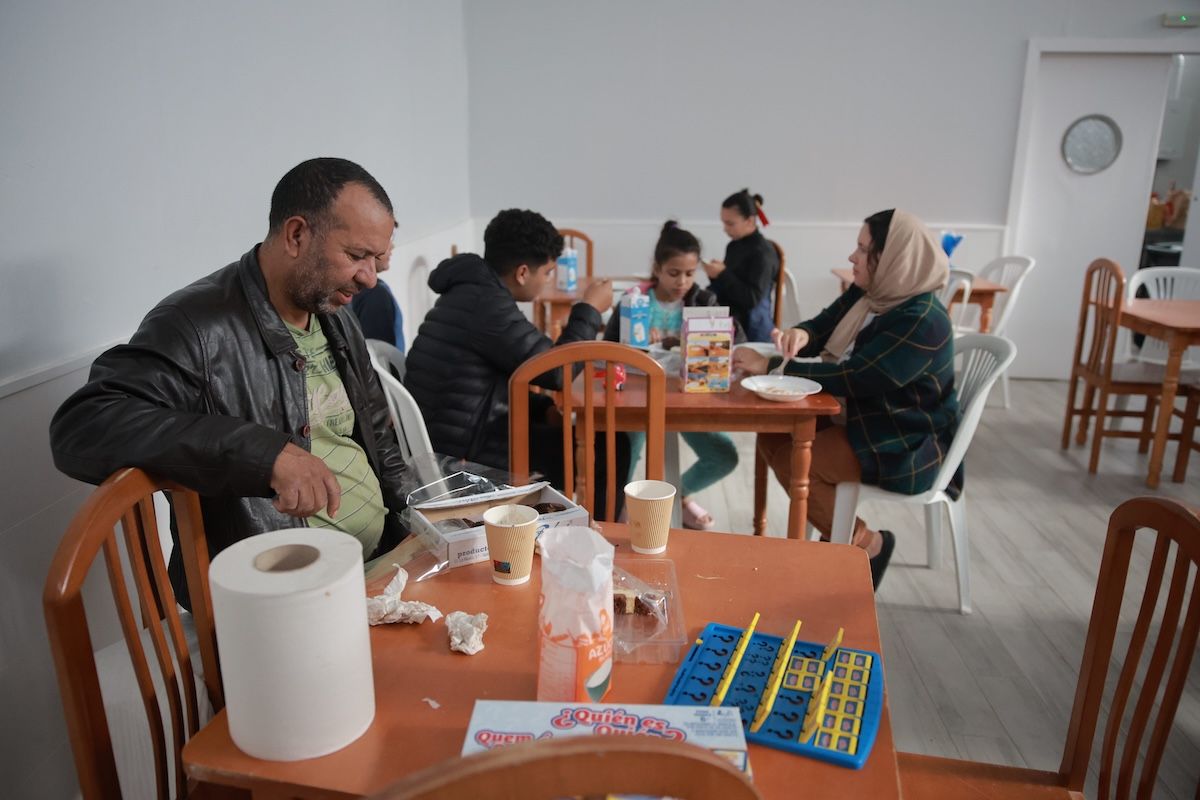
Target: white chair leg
pixel 933 535
pixel 1004 387
pixel 962 551
pixel 845 504
pixel 671 475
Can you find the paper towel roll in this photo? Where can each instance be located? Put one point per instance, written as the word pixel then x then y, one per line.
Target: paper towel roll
pixel 291 619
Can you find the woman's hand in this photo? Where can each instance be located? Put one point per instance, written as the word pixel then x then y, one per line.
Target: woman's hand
pixel 790 342
pixel 713 268
pixel 750 361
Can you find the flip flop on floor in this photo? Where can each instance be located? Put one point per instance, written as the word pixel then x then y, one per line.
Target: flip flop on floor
pixel 695 517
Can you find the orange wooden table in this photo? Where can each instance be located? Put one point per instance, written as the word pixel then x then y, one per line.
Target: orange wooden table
pixel 1176 322
pixel 552 307
pixel 723 578
pixel 983 294
pixel 735 410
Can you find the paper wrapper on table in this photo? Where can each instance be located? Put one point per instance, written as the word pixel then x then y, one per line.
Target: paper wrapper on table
pixel 706 342
pixel 290 613
pixel 634 310
pixel 575 631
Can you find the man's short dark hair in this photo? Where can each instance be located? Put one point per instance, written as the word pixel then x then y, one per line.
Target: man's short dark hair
pixel 515 237
pixel 309 189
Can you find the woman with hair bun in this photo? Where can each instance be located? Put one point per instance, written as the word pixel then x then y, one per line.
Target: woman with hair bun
pixel 671 288
pixel 744 280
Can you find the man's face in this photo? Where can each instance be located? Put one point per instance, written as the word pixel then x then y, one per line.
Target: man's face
pixel 535 280
pixel 342 257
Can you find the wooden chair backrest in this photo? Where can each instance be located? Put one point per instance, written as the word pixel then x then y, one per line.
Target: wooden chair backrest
pixel 1169 523
pixel 566 357
pixel 780 280
pixel 571 236
pixel 127 497
pixel 1099 317
pixel 580 766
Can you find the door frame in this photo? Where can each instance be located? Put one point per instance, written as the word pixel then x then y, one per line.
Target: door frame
pixel 1033 62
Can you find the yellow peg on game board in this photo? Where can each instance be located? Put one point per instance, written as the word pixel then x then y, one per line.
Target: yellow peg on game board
pixel 833 646
pixel 734 660
pixel 816 708
pixel 767 701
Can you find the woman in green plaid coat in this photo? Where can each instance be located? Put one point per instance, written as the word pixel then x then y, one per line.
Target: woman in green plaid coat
pixel 886 350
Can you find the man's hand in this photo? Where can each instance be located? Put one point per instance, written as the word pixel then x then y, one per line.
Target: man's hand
pixel 713 268
pixel 790 342
pixel 599 295
pixel 749 361
pixel 303 484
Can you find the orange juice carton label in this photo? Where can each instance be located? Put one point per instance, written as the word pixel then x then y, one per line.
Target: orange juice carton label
pixel 575 645
pixel 496 723
pixel 707 345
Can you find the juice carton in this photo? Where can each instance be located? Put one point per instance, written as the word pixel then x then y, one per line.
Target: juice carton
pixel 567 275
pixel 635 318
pixel 707 344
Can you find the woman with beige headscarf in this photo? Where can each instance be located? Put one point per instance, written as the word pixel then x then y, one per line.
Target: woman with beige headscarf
pixel 886 349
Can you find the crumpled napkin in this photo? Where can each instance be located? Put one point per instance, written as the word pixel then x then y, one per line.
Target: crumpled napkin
pixel 388 607
pixel 466 631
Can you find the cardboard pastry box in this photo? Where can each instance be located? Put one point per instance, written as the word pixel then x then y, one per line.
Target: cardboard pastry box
pixel 468 544
pixel 707 344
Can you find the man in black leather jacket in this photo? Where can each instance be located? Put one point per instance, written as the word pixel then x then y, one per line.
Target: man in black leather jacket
pixel 475 337
pixel 213 390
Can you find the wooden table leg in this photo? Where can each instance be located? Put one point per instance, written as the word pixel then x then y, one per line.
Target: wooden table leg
pixel 760 491
pixel 1177 345
pixel 803 434
pixel 985 312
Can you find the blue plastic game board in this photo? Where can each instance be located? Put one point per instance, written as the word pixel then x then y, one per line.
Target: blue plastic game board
pixel 846 730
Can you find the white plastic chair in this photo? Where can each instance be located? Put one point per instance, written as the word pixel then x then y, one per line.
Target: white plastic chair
pixel 791 302
pixel 405 413
pixel 984 359
pixel 1165 283
pixel 960 279
pixel 1010 272
pixel 389 354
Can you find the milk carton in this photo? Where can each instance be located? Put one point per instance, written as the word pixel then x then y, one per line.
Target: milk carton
pixel 567 274
pixel 635 318
pixel 707 343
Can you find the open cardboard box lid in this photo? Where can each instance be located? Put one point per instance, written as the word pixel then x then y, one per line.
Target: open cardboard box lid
pixel 488 499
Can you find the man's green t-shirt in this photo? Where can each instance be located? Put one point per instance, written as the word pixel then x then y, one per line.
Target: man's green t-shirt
pixel 331 423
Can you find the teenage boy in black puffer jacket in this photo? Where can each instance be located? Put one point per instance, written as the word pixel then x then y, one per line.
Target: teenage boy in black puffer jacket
pixel 475 337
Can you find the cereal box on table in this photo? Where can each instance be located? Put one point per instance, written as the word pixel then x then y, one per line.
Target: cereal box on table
pixel 495 723
pixel 707 342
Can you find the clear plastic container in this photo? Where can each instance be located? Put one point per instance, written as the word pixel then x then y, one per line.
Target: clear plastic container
pixel 645 639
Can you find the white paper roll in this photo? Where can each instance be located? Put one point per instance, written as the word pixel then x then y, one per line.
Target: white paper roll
pixel 292 636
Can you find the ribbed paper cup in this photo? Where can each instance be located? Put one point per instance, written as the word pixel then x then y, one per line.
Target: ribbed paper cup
pixel 649 504
pixel 511 531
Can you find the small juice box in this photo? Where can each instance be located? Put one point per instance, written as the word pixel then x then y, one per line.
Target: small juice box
pixel 635 318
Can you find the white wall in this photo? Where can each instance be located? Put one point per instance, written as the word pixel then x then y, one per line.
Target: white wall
pixel 140 143
pixel 613 116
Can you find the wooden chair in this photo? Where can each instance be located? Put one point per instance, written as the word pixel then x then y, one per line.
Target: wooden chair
pixel 1124 743
pixel 566 357
pixel 781 281
pixel 1093 364
pixel 127 497
pixel 579 766
pixel 570 235
pixel 1187 436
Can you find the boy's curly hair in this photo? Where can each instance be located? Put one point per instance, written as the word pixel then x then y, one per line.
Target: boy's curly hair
pixel 515 237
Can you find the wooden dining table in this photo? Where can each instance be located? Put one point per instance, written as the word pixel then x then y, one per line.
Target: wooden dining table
pixel 1176 322
pixel 983 294
pixel 738 410
pixel 424 693
pixel 553 306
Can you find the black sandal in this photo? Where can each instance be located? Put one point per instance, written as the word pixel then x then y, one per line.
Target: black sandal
pixel 879 563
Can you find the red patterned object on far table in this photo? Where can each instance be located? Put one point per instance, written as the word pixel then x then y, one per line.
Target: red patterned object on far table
pixel 618 374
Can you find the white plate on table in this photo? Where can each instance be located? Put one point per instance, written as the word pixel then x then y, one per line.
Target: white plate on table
pixel 781 388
